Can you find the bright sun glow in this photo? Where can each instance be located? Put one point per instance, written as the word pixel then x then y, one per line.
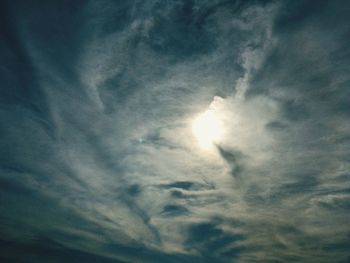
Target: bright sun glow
pixel 207 129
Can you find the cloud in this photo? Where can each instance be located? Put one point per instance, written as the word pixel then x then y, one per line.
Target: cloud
pixel 98 160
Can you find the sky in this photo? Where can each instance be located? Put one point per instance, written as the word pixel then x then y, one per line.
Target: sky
pixel 174 131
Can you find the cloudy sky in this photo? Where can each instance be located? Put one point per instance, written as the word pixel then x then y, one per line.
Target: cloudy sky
pixel 174 131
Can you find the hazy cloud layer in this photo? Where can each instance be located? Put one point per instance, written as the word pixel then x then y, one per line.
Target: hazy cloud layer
pixel 98 160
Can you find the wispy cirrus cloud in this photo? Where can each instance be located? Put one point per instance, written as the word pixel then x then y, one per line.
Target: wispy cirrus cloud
pixel 99 162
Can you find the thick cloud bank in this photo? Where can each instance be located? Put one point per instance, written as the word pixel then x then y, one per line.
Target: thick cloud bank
pixel 98 159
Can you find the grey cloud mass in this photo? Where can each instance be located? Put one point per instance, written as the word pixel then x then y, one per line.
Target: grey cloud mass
pixel 99 161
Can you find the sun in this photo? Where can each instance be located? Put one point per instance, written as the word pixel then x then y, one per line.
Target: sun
pixel 207 129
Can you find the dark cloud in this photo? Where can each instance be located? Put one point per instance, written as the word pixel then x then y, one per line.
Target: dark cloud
pixel 45 250
pixel 187 185
pixel 174 210
pixel 235 161
pixel 213 243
